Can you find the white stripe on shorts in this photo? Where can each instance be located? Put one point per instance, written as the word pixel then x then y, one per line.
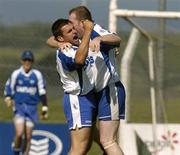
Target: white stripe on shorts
pixel 75 109
pixel 114 102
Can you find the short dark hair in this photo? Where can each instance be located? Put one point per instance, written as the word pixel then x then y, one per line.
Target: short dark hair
pixel 82 13
pixel 57 25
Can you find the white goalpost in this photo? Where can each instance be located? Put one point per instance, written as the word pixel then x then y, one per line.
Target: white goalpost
pixel 127 58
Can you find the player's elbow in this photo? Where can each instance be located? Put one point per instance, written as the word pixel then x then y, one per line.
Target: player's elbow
pixel 48 43
pixel 117 40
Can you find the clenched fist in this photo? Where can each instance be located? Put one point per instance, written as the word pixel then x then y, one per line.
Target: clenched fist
pixel 9 102
pixel 44 112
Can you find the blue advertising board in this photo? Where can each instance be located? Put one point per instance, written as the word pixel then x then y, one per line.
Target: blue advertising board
pixel 47 139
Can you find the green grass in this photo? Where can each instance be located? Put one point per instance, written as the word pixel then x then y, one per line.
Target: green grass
pixel 56 114
pixel 140 111
pixel 14 56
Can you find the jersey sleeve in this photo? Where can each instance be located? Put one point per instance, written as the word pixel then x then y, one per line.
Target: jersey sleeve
pixel 101 31
pixel 67 59
pixel 10 84
pixel 41 83
pixel 7 90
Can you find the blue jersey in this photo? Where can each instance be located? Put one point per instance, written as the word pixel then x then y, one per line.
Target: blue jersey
pixel 25 88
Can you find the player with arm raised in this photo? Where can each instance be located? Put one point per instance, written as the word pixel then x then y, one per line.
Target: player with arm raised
pixel 110 93
pixel 78 101
pixel 75 16
pixel 23 90
pixel 105 68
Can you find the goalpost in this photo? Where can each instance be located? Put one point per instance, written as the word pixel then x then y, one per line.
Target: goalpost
pixel 127 57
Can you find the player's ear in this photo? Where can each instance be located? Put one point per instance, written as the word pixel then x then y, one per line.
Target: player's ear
pixel 81 23
pixel 59 38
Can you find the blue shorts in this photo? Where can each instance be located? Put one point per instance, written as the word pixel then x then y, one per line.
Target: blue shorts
pixel 111 102
pixel 28 112
pixel 80 111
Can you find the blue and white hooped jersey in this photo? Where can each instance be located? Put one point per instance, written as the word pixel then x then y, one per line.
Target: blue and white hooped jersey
pixel 75 80
pixel 105 69
pixel 25 88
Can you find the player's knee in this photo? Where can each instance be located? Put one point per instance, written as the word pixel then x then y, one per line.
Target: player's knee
pixel 19 122
pixel 108 144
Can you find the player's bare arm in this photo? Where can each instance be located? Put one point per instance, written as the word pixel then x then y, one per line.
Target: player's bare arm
pixel 53 43
pixel 111 39
pixel 83 49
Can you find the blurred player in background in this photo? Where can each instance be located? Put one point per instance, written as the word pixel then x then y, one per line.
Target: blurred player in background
pixel 110 93
pixel 78 101
pixel 23 90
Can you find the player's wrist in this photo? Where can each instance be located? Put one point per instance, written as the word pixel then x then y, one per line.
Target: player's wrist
pixel 100 38
pixel 45 108
pixel 7 98
pixel 44 113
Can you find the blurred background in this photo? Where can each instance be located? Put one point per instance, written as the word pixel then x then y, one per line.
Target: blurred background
pixel 26 24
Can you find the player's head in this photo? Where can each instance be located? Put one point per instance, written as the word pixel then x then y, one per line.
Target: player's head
pixel 64 31
pixel 27 59
pixel 76 15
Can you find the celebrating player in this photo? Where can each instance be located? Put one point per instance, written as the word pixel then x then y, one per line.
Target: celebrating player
pixel 23 90
pixel 78 99
pixel 110 93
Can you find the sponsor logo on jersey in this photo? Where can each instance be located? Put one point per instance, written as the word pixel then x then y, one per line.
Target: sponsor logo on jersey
pixel 24 89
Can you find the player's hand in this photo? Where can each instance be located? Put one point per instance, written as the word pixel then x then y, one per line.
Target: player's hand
pixel 95 44
pixel 64 45
pixel 117 52
pixel 88 25
pixel 44 112
pixel 9 102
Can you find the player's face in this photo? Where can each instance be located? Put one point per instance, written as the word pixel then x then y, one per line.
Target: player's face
pixel 27 64
pixel 77 24
pixel 69 34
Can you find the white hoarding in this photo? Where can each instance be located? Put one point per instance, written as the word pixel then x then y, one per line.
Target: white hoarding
pixel 168 138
